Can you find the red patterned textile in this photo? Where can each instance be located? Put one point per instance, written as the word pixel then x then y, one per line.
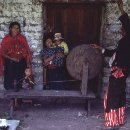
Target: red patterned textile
pixel 14 47
pixel 117 72
pixel 115 117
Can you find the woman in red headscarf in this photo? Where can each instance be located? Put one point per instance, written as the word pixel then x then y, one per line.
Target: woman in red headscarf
pixel 15 57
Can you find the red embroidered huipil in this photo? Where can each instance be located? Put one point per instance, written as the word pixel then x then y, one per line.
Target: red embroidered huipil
pixel 14 47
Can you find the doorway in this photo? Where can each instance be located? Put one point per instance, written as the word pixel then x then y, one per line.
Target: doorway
pixel 79 23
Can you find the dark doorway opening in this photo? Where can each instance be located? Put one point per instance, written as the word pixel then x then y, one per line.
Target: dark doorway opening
pixel 79 23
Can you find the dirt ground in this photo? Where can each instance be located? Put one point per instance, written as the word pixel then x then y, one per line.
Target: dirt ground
pixel 52 114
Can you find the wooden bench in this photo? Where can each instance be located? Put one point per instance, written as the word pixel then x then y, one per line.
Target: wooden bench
pixel 32 94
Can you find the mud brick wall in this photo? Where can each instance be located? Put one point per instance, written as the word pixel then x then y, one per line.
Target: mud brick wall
pixel 29 13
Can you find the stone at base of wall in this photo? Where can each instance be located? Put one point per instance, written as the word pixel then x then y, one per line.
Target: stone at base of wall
pixel 1 83
pixel 1 87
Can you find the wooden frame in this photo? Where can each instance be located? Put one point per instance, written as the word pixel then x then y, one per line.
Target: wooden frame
pixel 33 94
pixel 76 1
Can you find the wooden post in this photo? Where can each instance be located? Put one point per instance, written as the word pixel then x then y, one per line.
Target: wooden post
pixel 45 77
pixel 11 108
pixel 84 83
pixel 87 106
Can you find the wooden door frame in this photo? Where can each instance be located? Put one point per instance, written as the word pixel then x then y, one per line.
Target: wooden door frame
pixel 73 2
pixel 76 1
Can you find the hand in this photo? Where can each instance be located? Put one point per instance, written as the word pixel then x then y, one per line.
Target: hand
pixel 10 58
pixel 28 65
pixel 120 3
pixel 96 46
pixel 14 59
pixel 59 55
pixel 120 6
pixel 45 63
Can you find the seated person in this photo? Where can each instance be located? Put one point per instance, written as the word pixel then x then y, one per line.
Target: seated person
pixel 48 53
pixel 28 81
pixel 59 42
pixel 53 61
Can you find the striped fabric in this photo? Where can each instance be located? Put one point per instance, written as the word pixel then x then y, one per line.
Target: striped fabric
pixel 115 117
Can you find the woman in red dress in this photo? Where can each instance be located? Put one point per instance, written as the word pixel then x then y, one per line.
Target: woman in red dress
pixel 15 57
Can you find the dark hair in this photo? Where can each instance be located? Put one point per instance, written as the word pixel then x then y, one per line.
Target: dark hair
pixel 48 35
pixel 13 24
